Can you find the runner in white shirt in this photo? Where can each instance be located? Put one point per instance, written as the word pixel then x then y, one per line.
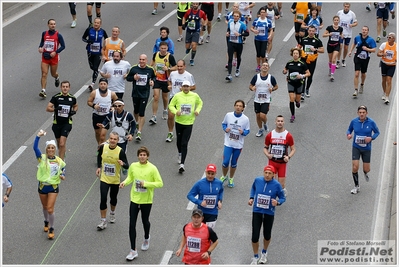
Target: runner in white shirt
pixel 116 71
pixel 175 82
pixel 347 19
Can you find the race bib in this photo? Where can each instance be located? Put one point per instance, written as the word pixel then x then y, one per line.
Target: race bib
pixel 210 201
pixel 191 25
pixel 233 38
pixel 95 47
pixel 308 50
pixel 64 112
pixel 277 151
pixel 361 140
pixel 293 75
pixel 142 81
pixel 263 201
pixel 299 16
pixel 53 168
pixel 389 54
pixel 49 46
pixel 109 169
pixel 193 244
pixel 262 31
pixel 140 188
pixel 262 96
pixel 104 108
pixel 362 55
pixel 334 36
pixel 185 109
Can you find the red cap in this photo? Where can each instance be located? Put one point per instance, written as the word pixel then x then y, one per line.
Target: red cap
pixel 211 167
pixel 269 168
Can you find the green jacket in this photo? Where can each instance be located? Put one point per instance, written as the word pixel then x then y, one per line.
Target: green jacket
pixel 187 104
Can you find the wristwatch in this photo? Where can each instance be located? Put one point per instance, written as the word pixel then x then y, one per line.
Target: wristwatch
pixel 209 253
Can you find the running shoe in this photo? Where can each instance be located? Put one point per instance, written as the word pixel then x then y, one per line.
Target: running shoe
pixel 154 12
pixel 43 93
pixel 226 11
pixel 165 114
pixel 263 258
pixel 163 5
pixel 132 255
pixel 378 39
pixel 45 228
pixel 355 93
pixel 229 78
pixel 237 72
pixel 386 101
pixel 331 78
pixel 302 97
pixel 338 65
pixel 208 38
pixel 384 32
pixel 191 62
pixel 285 192
pixel 254 261
pixel 138 136
pixel 265 127
pixel 298 104
pixel 187 51
pixel 223 178
pixel 112 218
pixel 169 138
pixel 343 63
pixel 146 244
pixel 361 89
pixel 50 234
pixel 102 225
pixel 368 7
pixel 257 69
pixel 259 133
pixel 57 82
pixel 227 66
pixel 231 183
pixel 153 120
pixel 179 158
pixel 292 118
pixel 73 24
pixel 219 17
pixel 307 94
pixel 384 97
pixel 90 88
pixel 244 40
pixel 180 39
pixel 393 15
pixel 366 177
pixel 201 41
pixel 181 168
pixel 355 190
pixel 375 5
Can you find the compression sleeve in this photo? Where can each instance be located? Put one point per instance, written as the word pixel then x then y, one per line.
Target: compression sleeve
pixel 36 147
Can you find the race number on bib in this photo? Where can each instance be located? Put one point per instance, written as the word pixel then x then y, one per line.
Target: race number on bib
pixel 109 169
pixel 263 201
pixel 193 244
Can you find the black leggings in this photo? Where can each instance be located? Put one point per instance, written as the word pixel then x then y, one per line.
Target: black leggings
pixel 72 8
pixel 231 48
pixel 104 188
pixel 94 63
pixel 183 133
pixel 257 220
pixel 145 215
pixel 309 80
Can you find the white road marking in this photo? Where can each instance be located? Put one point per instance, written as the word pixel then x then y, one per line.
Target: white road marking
pixel 166 257
pixel 288 36
pixel 23 13
pixel 165 18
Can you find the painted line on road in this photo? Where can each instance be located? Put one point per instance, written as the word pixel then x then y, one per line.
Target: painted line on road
pixel 23 13
pixel 166 257
pixel 165 18
pixel 66 225
pixel 13 158
pixel 289 34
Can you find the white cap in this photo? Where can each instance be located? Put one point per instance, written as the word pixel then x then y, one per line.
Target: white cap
pixel 186 83
pixel 51 142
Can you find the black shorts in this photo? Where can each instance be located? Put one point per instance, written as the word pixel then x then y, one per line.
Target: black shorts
pixel 98 5
pixel 297 26
pixel 61 129
pixel 356 153
pixel 361 64
pixel 45 189
pixel 209 218
pixel 382 13
pixel 387 70
pixel 139 105
pixel 293 89
pixel 192 37
pixel 332 48
pixel 209 10
pixel 261 107
pixel 161 85
pixel 180 17
pixel 97 119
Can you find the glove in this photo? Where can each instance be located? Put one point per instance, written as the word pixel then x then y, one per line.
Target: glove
pixel 72 112
pixel 58 108
pixel 183 27
pixel 89 41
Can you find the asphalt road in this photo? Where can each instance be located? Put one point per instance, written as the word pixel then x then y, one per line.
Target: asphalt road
pixel 319 204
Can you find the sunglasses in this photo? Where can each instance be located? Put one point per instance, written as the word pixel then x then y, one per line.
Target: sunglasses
pixel 118 106
pixel 390 37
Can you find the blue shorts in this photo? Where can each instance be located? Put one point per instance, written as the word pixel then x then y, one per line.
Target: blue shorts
pixel 48 188
pixel 230 153
pixel 345 40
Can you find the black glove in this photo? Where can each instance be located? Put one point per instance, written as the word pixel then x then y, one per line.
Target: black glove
pixel 72 112
pixel 58 108
pixel 183 27
pixel 89 41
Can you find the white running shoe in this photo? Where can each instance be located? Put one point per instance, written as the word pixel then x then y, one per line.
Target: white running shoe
pixel 355 190
pixel 73 25
pixel 254 261
pixel 366 177
pixel 112 218
pixel 180 38
pixel 263 258
pixel 146 244
pixel 361 89
pixel 259 133
pixel 181 168
pixel 132 254
pixel 102 225
pixel 384 97
pixel 169 138
pixel 355 93
pixel 386 101
pixel 165 114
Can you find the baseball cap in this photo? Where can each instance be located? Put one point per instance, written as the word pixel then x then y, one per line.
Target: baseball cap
pixel 362 107
pixel 211 167
pixel 269 168
pixel 103 80
pixel 186 83
pixel 197 212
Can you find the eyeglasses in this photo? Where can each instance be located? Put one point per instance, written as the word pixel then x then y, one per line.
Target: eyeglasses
pixel 118 106
pixel 390 37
